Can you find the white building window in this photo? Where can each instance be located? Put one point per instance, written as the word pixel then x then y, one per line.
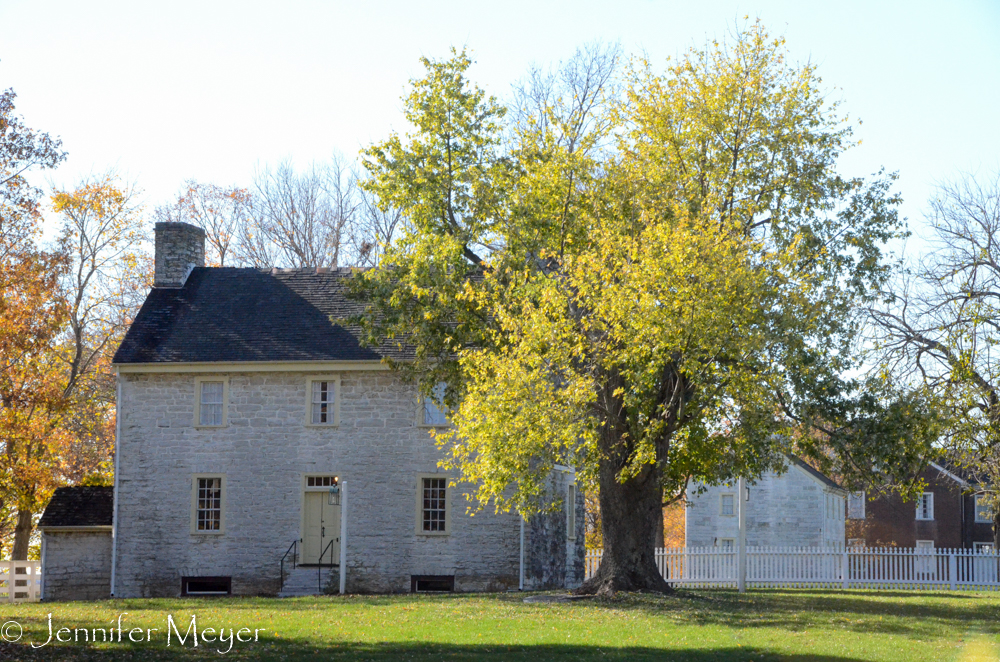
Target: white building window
pixel 983 547
pixel 983 512
pixel 433 412
pixel 323 408
pixel 432 505
pixel 727 544
pixel 727 506
pixel 856 505
pixel 211 395
pixel 208 497
pixel 925 506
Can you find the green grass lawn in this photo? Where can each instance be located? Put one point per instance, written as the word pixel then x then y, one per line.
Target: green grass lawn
pixel 796 625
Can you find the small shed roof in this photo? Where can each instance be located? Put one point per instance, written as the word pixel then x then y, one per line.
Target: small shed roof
pixel 79 506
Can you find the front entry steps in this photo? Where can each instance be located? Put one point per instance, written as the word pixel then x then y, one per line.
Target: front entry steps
pixel 302 581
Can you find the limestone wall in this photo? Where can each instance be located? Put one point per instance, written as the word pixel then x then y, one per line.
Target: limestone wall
pixel 378 451
pixel 76 565
pixel 552 558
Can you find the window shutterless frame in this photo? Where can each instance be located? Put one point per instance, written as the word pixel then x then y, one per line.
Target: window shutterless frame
pixel 925 506
pixel 323 401
pixel 430 413
pixel 208 501
pixel 214 400
pixel 983 513
pixel 429 506
pixel 727 505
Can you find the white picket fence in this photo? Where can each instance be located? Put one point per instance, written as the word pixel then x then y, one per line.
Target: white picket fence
pixel 826 567
pixel 20 581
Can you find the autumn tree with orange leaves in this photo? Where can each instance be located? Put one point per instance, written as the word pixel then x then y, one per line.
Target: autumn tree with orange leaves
pixel 32 312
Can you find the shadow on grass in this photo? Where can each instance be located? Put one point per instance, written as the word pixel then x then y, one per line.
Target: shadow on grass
pixel 894 612
pixel 395 652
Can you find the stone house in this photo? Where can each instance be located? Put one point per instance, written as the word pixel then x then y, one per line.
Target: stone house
pixel 253 428
pixel 798 508
pixel 947 514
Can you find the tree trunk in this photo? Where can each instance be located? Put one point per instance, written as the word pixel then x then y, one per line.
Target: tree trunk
pixel 631 511
pixel 22 535
pixel 660 533
pixel 996 530
pixel 629 515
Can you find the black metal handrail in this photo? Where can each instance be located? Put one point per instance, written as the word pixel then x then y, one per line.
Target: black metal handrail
pixel 319 565
pixel 294 551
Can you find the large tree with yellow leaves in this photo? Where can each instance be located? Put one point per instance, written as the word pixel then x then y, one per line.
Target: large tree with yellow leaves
pixel 650 278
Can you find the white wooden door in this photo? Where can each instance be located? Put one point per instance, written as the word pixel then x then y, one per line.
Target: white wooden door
pixel 320 524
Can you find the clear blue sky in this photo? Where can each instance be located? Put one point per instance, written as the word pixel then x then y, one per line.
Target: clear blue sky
pixel 168 91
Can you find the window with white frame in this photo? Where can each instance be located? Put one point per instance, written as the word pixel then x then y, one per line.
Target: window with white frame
pixel 323 401
pixel 211 394
pixel 727 544
pixel 432 513
pixel 571 511
pixel 983 547
pixel 856 505
pixel 207 503
pixel 727 505
pixel 433 412
pixel 925 506
pixel 983 512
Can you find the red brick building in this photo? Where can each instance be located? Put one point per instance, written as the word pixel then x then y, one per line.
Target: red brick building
pixel 947 514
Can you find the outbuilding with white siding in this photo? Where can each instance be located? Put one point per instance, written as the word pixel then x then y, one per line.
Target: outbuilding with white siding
pixel 798 507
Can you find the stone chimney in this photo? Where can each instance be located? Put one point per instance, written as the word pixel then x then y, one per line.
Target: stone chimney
pixel 179 249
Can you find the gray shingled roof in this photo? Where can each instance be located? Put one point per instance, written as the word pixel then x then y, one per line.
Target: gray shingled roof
pixel 797 461
pixel 80 506
pixel 229 314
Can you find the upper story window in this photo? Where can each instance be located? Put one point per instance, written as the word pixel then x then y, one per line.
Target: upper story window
pixel 925 506
pixel 211 395
pixel 856 505
pixel 728 504
pixel 323 401
pixel 433 413
pixel 983 512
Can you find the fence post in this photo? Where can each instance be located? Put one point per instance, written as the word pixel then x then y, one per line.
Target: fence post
pixel 952 569
pixel 845 568
pixel 741 562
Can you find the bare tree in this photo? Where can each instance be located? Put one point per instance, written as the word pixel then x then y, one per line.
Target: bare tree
pixel 941 326
pixel 299 218
pixel 565 102
pixel 220 211
pixel 372 230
